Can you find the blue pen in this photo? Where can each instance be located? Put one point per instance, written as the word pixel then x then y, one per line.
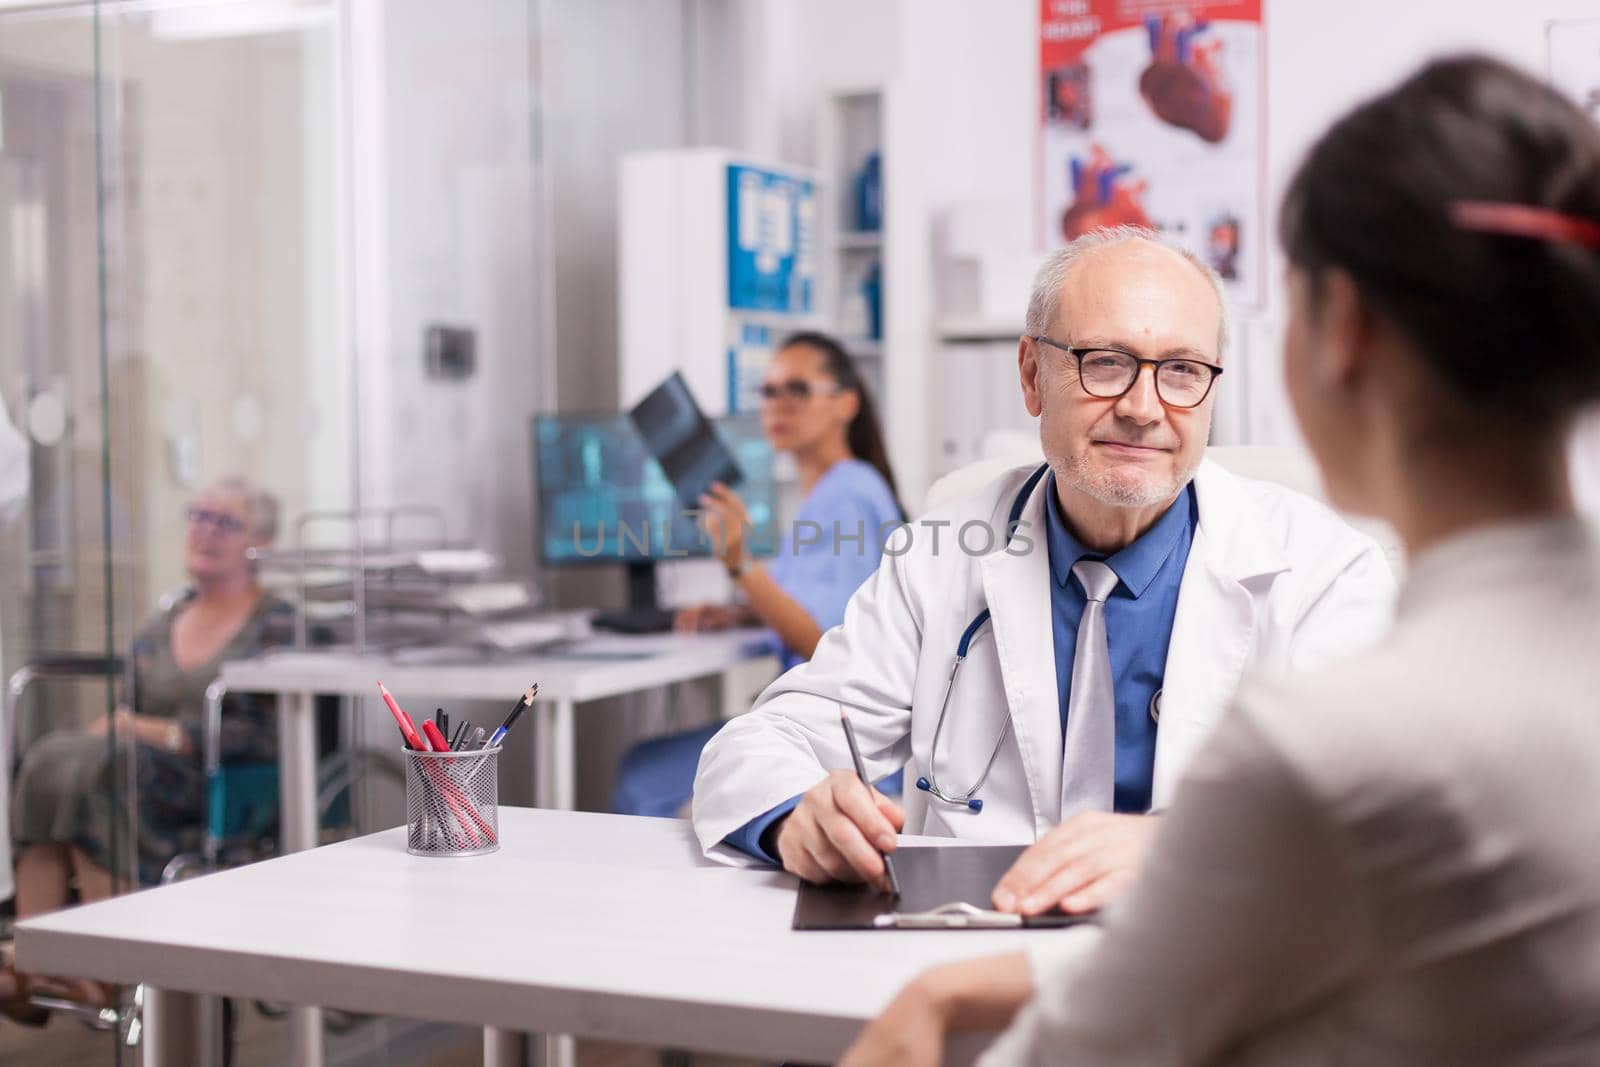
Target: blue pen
pixel 500 731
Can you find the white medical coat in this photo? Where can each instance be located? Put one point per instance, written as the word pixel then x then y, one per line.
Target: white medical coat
pixel 1275 581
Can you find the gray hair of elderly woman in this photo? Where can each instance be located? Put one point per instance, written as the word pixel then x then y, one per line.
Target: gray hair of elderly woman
pixel 263 506
pixel 1046 297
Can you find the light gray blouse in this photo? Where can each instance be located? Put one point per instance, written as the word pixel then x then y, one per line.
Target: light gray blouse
pixel 1395 861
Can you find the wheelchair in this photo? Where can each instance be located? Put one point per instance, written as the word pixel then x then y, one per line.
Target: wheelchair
pixel 241 809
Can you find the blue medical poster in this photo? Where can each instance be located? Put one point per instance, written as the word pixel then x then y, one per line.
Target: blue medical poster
pixel 772 236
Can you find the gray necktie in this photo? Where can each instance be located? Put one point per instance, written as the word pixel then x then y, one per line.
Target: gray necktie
pixel 1089 756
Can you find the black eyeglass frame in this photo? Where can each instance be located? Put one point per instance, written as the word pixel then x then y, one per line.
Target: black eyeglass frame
pixel 219 521
pixel 1139 364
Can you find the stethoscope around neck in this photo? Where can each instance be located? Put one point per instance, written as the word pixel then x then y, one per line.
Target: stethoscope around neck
pixel 929 783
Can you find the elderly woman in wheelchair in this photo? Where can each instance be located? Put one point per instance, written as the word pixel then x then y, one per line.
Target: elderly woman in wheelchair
pixel 62 802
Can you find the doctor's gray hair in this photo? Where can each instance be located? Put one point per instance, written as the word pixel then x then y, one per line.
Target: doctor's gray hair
pixel 1046 298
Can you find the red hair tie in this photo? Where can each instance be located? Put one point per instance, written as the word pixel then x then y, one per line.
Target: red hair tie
pixel 1524 220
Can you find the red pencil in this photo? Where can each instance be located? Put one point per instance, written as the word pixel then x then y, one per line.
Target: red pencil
pixel 407 729
pixel 462 808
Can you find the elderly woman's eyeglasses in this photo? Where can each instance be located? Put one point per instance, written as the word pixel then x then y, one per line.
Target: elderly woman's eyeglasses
pixel 219 521
pixel 1108 373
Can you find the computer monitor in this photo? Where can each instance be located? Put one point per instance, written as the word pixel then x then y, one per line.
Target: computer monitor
pixel 603 499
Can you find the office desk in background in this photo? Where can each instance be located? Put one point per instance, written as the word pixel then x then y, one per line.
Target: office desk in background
pixel 598 925
pixel 592 668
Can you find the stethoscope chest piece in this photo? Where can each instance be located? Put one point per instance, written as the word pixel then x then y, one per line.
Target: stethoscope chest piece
pixel 974 804
pixel 1155 706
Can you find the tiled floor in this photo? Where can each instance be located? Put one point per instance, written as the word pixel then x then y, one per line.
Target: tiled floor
pixel 262 1043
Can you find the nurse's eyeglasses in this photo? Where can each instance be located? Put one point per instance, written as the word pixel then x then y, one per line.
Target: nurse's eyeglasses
pixel 797 390
pixel 1108 373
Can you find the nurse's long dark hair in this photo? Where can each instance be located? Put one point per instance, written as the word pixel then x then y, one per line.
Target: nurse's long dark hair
pixel 864 435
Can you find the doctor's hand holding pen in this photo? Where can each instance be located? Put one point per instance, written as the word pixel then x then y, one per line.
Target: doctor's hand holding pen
pixel 1081 865
pixel 838 832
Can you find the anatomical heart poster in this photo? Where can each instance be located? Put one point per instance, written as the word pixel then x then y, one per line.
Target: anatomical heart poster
pixel 1151 115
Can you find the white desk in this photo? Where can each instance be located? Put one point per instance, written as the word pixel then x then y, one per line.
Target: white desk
pixel 590 669
pixel 596 925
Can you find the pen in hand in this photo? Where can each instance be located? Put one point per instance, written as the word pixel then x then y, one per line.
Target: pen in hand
pixel 861 773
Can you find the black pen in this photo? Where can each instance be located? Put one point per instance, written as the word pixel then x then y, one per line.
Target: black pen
pixel 461 730
pixel 861 773
pixel 500 731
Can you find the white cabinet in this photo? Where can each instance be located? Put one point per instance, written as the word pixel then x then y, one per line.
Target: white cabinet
pixel 718 260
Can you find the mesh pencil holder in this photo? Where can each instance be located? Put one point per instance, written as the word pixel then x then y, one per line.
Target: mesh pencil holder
pixel 452 802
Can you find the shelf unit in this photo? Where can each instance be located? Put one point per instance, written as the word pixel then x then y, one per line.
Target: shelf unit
pixel 888 118
pixel 852 127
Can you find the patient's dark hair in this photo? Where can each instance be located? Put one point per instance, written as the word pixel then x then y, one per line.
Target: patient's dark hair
pixel 864 434
pixel 1509 325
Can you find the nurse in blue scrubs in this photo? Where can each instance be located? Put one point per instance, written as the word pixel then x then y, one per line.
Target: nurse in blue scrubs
pixel 815 408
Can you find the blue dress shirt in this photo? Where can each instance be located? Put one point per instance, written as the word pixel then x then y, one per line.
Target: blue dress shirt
pixel 1138 616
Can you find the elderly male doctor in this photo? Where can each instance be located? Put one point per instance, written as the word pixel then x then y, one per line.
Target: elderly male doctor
pixel 1101 642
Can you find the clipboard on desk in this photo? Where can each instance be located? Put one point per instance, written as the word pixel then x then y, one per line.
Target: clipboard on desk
pixel 941 888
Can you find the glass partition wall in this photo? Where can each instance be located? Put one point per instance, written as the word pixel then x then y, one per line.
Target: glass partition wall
pixel 226 230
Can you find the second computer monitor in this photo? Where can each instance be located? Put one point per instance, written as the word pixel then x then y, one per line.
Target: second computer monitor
pixel 604 499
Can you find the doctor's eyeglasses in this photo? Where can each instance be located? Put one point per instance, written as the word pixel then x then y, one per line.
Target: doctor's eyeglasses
pixel 1108 373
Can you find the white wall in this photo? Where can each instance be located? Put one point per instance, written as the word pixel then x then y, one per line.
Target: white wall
pixel 971 70
pixel 615 81
pixel 1325 58
pixel 446 232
